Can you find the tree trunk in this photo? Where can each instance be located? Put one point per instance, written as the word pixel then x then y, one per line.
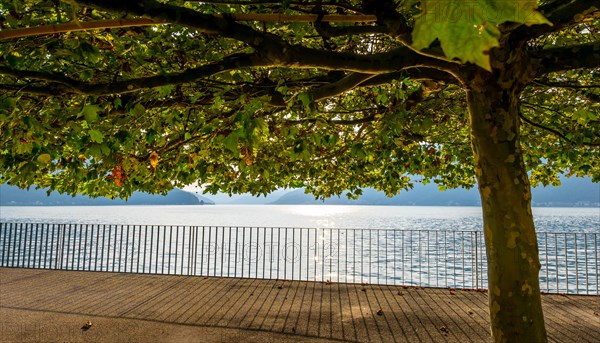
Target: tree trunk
pixel 511 243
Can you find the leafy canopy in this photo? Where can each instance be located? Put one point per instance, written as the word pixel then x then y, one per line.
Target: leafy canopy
pixel 251 106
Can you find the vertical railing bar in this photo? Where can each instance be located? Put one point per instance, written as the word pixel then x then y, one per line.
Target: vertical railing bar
pixel 84 228
pixel 61 247
pixel 164 249
pixel 278 252
pixel 5 228
pixel 323 255
pixel 420 235
pixel 403 278
pixel 47 262
pixel 116 230
pixel 300 256
pixel 370 257
pixel 24 243
pixel 236 252
pixel 177 249
pixel 202 251
pixel 195 260
pixel 144 264
pixel 437 259
pixel 428 258
pixel 264 259
pixel 462 244
pixel 125 229
pixel 455 257
pixel 395 260
pixel 285 253
pixel 354 254
pixel 121 229
pixel 576 264
pixel 331 254
pixel 35 247
pixel 158 229
pixel 585 251
pixel 6 246
pixel 271 255
pixel 31 247
pixel 151 253
pixel 68 235
pixel 556 260
pixel 243 248
pixel 378 257
pixel 316 252
pixel 170 248
pixel 229 252
pixel 102 251
pixel 256 257
pixel 250 253
pixel 293 251
pixel 91 247
pixel 597 264
pixel 566 263
pixel 345 253
pixel 216 250
pixel 222 250
pixel 139 248
pixel 27 250
pixel 22 246
pixel 82 242
pixel 546 262
pixel 412 247
pixel 14 244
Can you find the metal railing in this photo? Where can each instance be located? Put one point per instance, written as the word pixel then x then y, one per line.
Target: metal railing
pixel 451 259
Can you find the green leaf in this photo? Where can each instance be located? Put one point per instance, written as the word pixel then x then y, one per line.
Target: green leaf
pixel 165 90
pixel 96 136
pixel 467 29
pixel 231 143
pixel 138 110
pixel 90 113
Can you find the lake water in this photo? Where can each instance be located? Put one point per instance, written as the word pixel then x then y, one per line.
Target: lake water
pixel 313 216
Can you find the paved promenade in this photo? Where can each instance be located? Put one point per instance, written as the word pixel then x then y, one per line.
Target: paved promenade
pixel 54 306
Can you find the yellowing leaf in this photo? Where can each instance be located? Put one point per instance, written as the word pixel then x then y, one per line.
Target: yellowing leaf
pixel 153 159
pixel 44 158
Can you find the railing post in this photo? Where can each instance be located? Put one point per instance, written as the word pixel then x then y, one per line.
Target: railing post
pixel 476 262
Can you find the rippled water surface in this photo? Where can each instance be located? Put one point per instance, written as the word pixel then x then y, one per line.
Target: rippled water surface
pixel 324 216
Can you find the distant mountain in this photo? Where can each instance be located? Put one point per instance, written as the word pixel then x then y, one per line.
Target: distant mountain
pixel 580 192
pixel 14 196
pixel 245 199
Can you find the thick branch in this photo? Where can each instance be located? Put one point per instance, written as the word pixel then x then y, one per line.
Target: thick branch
pixel 274 50
pixel 561 15
pixel 62 85
pixel 568 58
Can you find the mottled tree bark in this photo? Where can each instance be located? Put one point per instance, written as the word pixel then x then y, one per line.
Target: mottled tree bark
pixel 511 243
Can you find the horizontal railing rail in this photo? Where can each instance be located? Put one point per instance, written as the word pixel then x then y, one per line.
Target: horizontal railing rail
pixel 427 258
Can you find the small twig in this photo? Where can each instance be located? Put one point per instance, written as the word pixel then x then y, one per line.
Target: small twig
pixel 556 132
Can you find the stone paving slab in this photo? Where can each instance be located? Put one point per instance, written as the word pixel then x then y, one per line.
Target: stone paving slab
pixel 53 306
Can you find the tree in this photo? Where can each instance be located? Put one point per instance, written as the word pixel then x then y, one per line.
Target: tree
pixel 501 92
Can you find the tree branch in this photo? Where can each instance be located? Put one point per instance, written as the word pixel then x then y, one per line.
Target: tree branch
pixel 563 85
pixel 270 47
pixel 553 131
pixel 62 85
pixel 567 58
pixel 562 14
